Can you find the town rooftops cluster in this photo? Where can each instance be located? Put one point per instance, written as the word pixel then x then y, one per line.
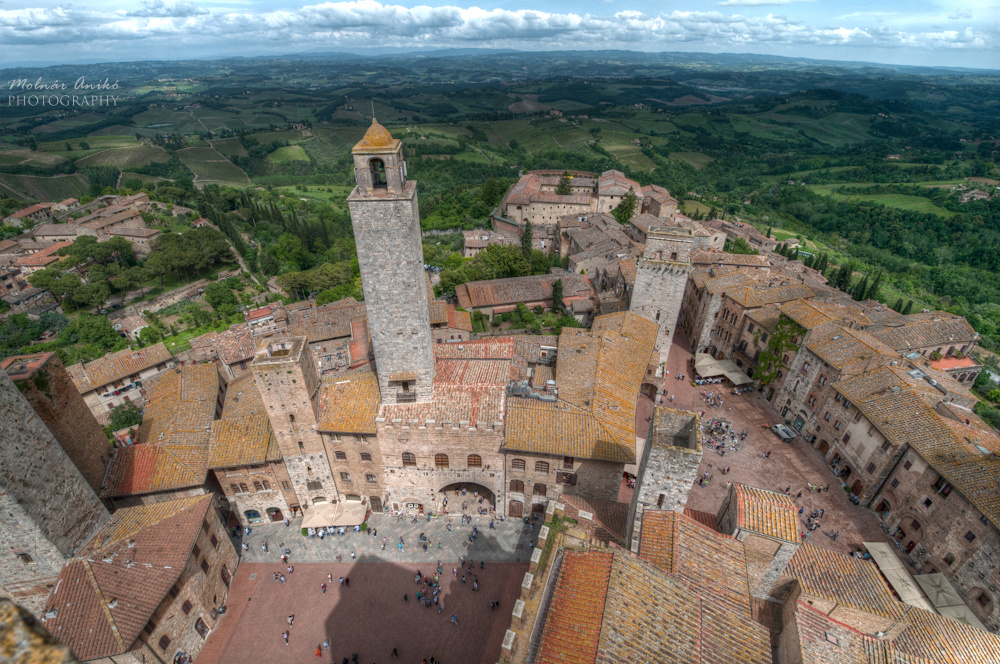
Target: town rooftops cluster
pixel 89 376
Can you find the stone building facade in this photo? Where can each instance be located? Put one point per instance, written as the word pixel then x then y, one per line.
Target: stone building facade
pixel 941 530
pixel 668 467
pixel 386 224
pixel 660 280
pixel 47 508
pixel 44 382
pixel 289 385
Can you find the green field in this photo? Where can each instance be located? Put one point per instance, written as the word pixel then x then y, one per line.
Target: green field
pixel 229 147
pixel 29 158
pixel 696 159
pixel 899 201
pixel 130 157
pixel 632 156
pixel 210 167
pixel 690 207
pixel 48 188
pixel 142 177
pixel 95 143
pixel 288 153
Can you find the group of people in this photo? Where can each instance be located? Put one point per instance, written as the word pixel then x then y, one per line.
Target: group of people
pixel 721 430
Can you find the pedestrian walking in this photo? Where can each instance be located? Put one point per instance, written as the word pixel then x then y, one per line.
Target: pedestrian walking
pixel 454 619
pixel 281 577
pixel 326 644
pixel 394 655
pixel 319 651
pixel 323 588
pixel 284 635
pixel 463 578
pixel 347 581
pixel 341 580
pixel 821 511
pixel 353 555
pixel 406 599
pixel 291 619
pixel 329 578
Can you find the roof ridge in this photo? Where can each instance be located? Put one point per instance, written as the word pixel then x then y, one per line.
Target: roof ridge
pixel 104 604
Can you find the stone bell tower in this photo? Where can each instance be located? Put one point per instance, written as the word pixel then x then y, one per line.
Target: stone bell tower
pixel 390 254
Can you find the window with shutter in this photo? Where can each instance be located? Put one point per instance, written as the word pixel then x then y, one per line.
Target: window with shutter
pixel 186 607
pixel 517 464
pixel 164 642
pixel 204 566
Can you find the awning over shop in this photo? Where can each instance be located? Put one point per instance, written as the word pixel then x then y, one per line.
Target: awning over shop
pixel 897 575
pixel 946 600
pixel 707 366
pixel 344 513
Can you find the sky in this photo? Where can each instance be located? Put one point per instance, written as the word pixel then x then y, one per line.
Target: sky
pixel 952 33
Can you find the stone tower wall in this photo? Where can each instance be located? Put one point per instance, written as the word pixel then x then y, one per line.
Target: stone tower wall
pixel 47 509
pixel 289 386
pixel 657 296
pixel 55 399
pixel 390 256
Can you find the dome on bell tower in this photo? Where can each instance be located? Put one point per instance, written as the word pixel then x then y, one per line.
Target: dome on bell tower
pixel 376 140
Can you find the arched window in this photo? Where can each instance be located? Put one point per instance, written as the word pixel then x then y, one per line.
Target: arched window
pixel 517 464
pixel 541 467
pixel 371 479
pixel 517 486
pixel 244 488
pixel 267 485
pixel 341 456
pixel 409 459
pixel 365 456
pixel 475 461
pixel 540 489
pixel 257 486
pixel 440 460
pixel 319 500
pixel 377 169
pixel 235 488
pixel 302 446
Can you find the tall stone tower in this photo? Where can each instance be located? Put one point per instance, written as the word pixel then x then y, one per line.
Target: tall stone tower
pixel 289 384
pixel 390 254
pixel 660 278
pixel 47 509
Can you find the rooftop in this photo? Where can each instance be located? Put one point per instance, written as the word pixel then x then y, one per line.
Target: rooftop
pixel 575 617
pixel 173 448
pixel 376 140
pixel 766 513
pixel 107 593
pixel 243 436
pixel 90 376
pixel 949 363
pixel 847 349
pixel 20 367
pixel 938 328
pixel 723 258
pixel 598 375
pixel 329 321
pixel 349 403
pixel 537 288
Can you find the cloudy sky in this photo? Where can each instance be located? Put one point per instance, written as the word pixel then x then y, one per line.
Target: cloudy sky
pixel 921 32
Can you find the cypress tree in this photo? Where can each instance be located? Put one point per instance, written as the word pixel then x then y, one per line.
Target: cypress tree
pixel 526 241
pixel 908 307
pixel 899 305
pixel 873 289
pixel 860 289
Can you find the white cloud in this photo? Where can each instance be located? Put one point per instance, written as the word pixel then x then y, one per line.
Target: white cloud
pixel 758 3
pixel 965 14
pixel 184 26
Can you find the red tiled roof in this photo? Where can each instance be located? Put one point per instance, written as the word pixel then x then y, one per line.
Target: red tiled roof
pixel 256 314
pixel 576 614
pixel 766 512
pixel 43 257
pixel 946 363
pixel 37 207
pixel 108 592
pixel 115 366
pixel 537 288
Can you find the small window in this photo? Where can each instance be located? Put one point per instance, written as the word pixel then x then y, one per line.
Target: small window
pixel 174 590
pixel 857 416
pixel 257 486
pixel 763 338
pixel 827 417
pixel 340 455
pixel 474 461
pixel 970 536
pixel 812 400
pixel 805 367
pixel 26 558
pixel 542 467
pixel 204 527
pixel 871 468
pixel 836 425
pixel 186 607
pixel 949 559
pixel 517 486
pixel 365 456
pixel 204 566
pixel 915 524
pixel 982 517
pixel 215 541
pixel 566 478
pixel 750 327
pixel 907 465
pixel 847 404
pixel 885 446
pixel 266 485
pixel 346 477
pixel 928 502
pixel 568 463
pixel 517 464
pixel 164 642
pixel 196 552
pixel 409 459
pixel 150 626
pixel 540 489
pixel 440 460
pixel 244 488
pixel 371 479
pixel 847 438
pixel 285 484
pixel 839 398
pixel 894 483
pixel 822 380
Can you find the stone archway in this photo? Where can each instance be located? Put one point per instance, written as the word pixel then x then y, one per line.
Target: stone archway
pixel 466 498
pixel 649 390
pixel 824 447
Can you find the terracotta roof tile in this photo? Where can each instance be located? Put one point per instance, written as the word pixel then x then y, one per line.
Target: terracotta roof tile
pixel 173 449
pixel 107 593
pixel 944 330
pixel 537 288
pixel 752 296
pixel 848 350
pixel 844 579
pixel 573 623
pixel 329 321
pixel 766 512
pixel 349 403
pixel 115 366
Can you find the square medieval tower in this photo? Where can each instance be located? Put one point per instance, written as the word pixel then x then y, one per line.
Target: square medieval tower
pixel 390 254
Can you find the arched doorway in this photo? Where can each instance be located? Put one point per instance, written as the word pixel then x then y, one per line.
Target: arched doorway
pixel 515 509
pixel 253 516
pixel 466 498
pixel 649 390
pixel 883 509
pixel 858 487
pixel 824 447
pixel 274 514
pixel 376 503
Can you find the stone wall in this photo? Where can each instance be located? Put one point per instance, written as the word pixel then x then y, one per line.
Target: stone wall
pixel 423 483
pixel 279 493
pixel 667 469
pixel 354 474
pixel 55 399
pixel 390 257
pixel 940 542
pixel 657 296
pixel 47 509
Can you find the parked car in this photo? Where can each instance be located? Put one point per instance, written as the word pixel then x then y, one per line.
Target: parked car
pixel 784 433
